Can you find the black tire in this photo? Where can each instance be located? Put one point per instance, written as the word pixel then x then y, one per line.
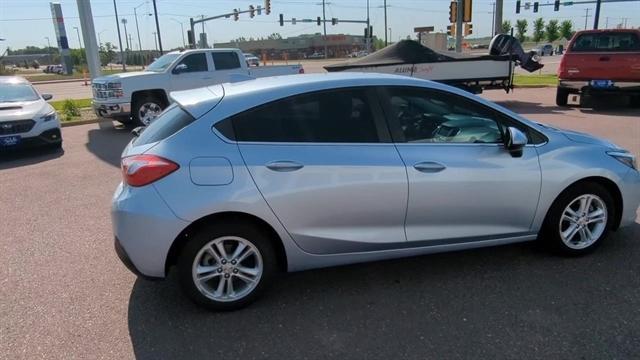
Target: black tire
pixel 562 97
pixel 552 226
pixel 634 101
pixel 142 101
pixel 255 236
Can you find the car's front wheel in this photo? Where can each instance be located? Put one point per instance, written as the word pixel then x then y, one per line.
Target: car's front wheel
pixel 225 267
pixel 146 108
pixel 579 219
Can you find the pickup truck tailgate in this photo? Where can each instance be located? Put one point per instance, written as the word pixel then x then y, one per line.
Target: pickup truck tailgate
pixel 606 55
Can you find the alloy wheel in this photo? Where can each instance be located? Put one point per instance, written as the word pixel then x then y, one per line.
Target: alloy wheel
pixel 148 111
pixel 583 221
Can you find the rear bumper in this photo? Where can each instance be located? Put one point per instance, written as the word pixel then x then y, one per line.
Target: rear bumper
pixel 111 110
pixel 577 86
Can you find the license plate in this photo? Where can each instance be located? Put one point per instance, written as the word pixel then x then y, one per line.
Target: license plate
pixel 601 83
pixel 9 140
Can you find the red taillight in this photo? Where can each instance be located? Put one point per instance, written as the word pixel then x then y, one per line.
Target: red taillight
pixel 140 170
pixel 562 67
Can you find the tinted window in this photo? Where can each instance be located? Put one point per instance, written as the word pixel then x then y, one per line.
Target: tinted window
pixel 162 63
pixel 166 124
pixel 225 60
pixel 607 41
pixel 340 116
pixel 195 62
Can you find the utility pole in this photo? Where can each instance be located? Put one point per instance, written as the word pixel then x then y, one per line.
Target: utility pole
pixel 606 24
pixel 596 17
pixel 135 14
pixel 459 18
pixel 126 34
pixel 586 18
pixel 385 23
pixel 368 39
pixel 184 44
pixel 115 8
pixel 493 19
pixel 155 40
pixel 324 23
pixel 155 12
pixel 498 17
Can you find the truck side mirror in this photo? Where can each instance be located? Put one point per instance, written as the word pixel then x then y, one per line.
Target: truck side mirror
pixel 180 68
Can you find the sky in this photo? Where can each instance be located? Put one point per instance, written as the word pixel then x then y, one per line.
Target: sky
pixel 28 22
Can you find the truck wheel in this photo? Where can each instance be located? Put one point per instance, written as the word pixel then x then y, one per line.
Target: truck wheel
pixel 562 97
pixel 146 108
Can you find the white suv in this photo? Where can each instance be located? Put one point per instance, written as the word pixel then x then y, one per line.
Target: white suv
pixel 26 119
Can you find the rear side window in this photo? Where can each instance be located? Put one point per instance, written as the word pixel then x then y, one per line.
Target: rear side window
pixel 336 116
pixel 225 60
pixel 166 124
pixel 606 42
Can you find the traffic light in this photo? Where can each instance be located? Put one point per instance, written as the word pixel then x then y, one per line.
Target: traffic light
pixel 334 21
pixel 371 31
pixel 319 20
pixel 267 7
pixel 252 11
pixel 453 12
pixel 451 30
pixel 236 14
pixel 535 7
pixel 281 20
pixel 556 5
pixel 518 7
pixel 466 15
pixel 191 39
pixel 468 29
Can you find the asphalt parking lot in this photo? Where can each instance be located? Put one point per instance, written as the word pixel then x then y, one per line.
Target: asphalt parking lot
pixel 64 294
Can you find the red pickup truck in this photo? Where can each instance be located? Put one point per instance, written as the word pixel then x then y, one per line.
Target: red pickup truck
pixel 600 62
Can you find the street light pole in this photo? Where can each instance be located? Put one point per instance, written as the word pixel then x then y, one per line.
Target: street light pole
pixel 126 35
pixel 155 39
pixel 368 39
pixel 385 23
pixel 124 65
pixel 49 49
pixel 324 23
pixel 184 44
pixel 79 42
pixel 135 14
pixel 99 40
pixel 155 11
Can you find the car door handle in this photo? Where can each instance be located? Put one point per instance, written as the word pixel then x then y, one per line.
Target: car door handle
pixel 284 166
pixel 429 167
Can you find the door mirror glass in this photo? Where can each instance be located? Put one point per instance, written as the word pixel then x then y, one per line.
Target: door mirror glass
pixel 180 68
pixel 516 141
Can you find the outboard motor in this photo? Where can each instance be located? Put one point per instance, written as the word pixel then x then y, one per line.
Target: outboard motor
pixel 503 44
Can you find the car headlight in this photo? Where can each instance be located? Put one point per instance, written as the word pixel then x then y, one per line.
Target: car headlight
pixel 625 158
pixel 50 116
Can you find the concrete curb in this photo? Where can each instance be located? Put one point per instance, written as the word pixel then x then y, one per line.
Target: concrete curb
pixel 59 81
pixel 81 122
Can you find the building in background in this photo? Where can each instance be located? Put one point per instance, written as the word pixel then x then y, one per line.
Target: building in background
pixel 300 47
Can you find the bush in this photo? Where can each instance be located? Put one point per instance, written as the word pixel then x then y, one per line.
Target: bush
pixel 70 110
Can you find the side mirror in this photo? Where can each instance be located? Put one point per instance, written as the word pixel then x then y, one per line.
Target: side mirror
pixel 47 97
pixel 137 131
pixel 180 68
pixel 516 141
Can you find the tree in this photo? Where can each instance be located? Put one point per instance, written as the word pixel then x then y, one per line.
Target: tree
pixel 107 53
pixel 506 27
pixel 275 36
pixel 566 29
pixel 552 31
pixel 538 30
pixel 521 30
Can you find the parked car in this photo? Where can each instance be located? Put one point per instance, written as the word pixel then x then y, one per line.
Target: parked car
pixel 546 49
pixel 316 55
pixel 235 182
pixel 26 119
pixel 598 62
pixel 140 96
pixel 251 59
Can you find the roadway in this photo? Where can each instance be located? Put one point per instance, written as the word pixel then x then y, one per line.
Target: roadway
pixel 65 294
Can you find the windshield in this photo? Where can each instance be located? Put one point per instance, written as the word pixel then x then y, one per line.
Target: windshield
pixel 162 63
pixel 17 92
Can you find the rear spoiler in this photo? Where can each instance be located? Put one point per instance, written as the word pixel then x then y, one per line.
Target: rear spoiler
pixel 503 44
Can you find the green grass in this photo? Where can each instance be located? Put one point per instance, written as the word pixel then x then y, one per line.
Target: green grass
pixel 80 103
pixel 75 75
pixel 535 80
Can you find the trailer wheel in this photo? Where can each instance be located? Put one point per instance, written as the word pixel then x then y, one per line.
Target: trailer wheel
pixel 562 97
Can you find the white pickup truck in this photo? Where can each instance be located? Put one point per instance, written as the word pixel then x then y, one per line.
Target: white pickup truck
pixel 140 96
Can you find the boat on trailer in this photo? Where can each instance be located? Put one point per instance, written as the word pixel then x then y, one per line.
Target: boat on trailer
pixel 471 72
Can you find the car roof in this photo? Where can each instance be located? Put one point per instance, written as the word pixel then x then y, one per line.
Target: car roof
pixel 13 80
pixel 253 92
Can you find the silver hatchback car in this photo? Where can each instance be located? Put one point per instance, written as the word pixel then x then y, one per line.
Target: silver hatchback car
pixel 235 182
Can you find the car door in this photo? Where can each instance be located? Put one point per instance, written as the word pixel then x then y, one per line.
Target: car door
pixel 226 64
pixel 325 164
pixel 193 71
pixel 463 184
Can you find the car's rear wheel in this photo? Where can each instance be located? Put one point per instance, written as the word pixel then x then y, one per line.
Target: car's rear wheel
pixel 146 108
pixel 226 267
pixel 579 219
pixel 562 97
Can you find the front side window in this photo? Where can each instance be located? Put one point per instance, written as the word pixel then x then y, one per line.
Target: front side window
pixel 225 60
pixel 336 116
pixel 426 116
pixel 162 63
pixel 195 63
